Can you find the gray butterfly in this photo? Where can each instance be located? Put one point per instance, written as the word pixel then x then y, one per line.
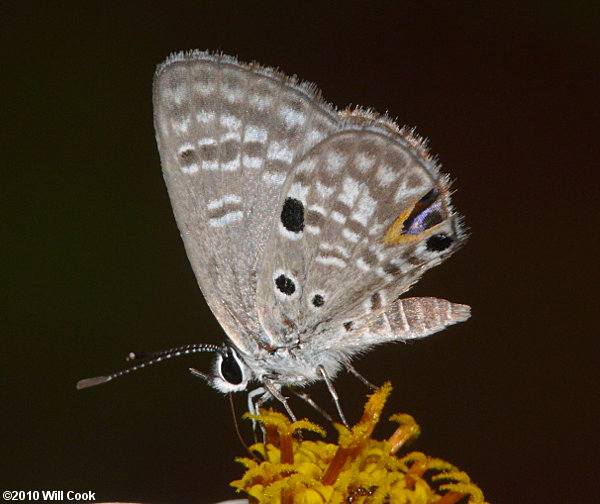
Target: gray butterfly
pixel 303 225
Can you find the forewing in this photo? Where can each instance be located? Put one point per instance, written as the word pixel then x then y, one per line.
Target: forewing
pixel 228 135
pixel 364 214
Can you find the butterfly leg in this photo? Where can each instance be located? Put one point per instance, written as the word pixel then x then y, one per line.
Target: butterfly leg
pixel 253 405
pixel 333 393
pixel 306 398
pixel 353 370
pixel 271 386
pixel 256 398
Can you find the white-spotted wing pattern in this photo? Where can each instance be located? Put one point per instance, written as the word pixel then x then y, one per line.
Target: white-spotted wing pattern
pixel 304 225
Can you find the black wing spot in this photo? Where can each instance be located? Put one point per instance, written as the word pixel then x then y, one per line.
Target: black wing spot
pixel 429 198
pixel 318 300
pixel 285 285
pixel 438 243
pixel 292 215
pixel 348 326
pixel 189 156
pixel 376 301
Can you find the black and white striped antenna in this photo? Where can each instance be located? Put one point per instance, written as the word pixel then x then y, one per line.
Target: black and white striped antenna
pixel 154 358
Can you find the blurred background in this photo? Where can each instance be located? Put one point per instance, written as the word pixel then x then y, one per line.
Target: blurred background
pixel 507 93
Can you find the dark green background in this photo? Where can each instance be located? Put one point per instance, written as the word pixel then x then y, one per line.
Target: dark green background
pixel 507 92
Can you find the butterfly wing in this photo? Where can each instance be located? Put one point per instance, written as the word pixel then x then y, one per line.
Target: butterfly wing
pixel 228 135
pixel 364 214
pixel 404 319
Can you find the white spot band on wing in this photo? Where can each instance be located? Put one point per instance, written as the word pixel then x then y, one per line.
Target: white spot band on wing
pixel 254 133
pixel 226 219
pixel 281 152
pixel 331 260
pixel 351 189
pixel 274 178
pixel 190 169
pixel 350 235
pixel 228 198
pixel 252 161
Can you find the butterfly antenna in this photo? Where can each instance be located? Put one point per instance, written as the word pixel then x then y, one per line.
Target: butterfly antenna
pixel 155 358
pixel 182 350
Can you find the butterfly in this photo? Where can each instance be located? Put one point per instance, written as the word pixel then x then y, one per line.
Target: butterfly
pixel 304 225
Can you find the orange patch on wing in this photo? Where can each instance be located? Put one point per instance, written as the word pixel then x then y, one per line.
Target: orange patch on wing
pixel 394 233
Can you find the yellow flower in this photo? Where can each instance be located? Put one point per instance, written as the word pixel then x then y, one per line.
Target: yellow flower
pixel 356 470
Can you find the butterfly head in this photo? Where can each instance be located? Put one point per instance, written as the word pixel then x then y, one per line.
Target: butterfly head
pixel 230 373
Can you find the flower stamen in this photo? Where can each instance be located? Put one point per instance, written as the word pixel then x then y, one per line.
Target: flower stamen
pixel 358 469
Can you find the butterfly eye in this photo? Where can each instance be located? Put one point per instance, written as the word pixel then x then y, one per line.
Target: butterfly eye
pixel 230 369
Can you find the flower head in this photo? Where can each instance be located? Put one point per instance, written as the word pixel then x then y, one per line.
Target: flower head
pixel 358 469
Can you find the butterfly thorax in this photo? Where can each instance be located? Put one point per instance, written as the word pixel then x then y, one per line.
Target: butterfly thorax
pixel 292 365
